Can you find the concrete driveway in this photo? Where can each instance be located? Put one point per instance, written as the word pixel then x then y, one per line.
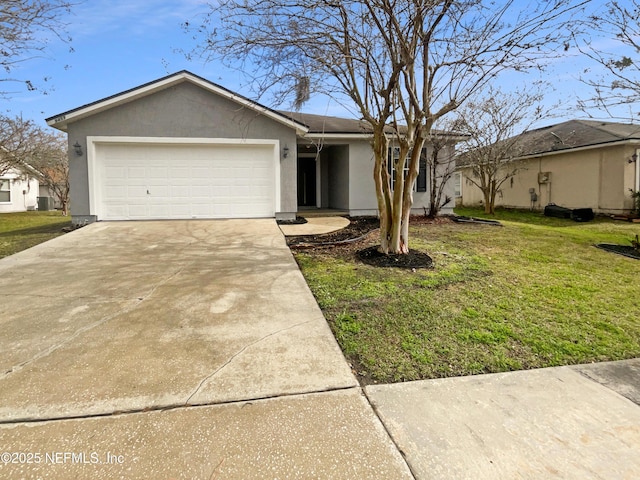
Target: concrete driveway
pixel 113 334
pixel 195 350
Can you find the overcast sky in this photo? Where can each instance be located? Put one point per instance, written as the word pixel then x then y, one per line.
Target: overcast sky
pixel 118 45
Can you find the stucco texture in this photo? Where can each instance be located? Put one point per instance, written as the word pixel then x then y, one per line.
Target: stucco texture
pixel 184 110
pixel 597 178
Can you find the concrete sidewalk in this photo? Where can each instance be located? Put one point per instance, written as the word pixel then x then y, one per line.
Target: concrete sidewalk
pixel 576 422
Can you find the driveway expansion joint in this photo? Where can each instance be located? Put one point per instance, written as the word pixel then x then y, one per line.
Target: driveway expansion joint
pixel 392 439
pixel 171 407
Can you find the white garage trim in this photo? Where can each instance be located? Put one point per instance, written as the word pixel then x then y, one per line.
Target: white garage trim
pixel 95 194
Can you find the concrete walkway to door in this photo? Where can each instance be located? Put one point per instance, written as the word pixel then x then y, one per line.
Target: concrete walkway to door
pixel 176 349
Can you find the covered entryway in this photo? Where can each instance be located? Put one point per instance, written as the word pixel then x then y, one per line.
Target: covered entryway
pixel 171 179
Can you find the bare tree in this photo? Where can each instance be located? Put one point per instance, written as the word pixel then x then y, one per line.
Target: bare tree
pixel 441 165
pixel 492 124
pixel 26 26
pixel 51 160
pixel 16 145
pixel 615 47
pixel 26 146
pixel 403 64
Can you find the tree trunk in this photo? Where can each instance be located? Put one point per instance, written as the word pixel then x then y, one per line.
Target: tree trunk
pixel 487 201
pixel 381 180
pixel 433 197
pixel 396 245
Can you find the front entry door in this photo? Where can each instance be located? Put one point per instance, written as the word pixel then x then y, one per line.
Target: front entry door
pixel 306 182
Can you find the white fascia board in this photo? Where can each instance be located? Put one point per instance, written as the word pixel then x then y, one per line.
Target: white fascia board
pixel 62 120
pixel 337 136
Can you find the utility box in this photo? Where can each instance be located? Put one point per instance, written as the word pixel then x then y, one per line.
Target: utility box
pixel 544 177
pixel 45 204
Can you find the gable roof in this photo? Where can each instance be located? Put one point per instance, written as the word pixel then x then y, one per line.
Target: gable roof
pixel 575 134
pixel 61 120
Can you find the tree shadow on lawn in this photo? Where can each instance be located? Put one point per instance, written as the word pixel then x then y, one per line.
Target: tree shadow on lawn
pixel 624 250
pixel 37 230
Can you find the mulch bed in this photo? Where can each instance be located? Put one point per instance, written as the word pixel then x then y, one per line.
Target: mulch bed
pixel 356 229
pixel 359 239
pixel 414 259
pixel 297 221
pixel 620 250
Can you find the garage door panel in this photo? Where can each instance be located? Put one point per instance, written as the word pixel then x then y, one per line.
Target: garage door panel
pixel 179 211
pixel 115 173
pixel 136 172
pixel 158 172
pixel 202 210
pixel 115 192
pixel 185 181
pixel 137 211
pixel 198 192
pixel 136 192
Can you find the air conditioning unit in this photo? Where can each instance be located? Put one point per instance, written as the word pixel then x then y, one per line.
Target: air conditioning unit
pixel 544 177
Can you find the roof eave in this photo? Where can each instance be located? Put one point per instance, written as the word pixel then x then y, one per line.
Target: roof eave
pixel 336 136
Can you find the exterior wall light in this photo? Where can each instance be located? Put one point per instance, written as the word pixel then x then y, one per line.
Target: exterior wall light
pixel 285 151
pixel 633 159
pixel 78 149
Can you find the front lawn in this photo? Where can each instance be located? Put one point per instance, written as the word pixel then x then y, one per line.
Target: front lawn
pixel 19 231
pixel 533 293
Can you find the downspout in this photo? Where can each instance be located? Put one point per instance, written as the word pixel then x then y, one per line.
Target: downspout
pixel 549 191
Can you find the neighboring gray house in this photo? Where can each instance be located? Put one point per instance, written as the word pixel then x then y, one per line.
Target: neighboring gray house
pixel 184 147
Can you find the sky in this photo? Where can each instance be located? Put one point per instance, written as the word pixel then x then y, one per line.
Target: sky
pixel 121 44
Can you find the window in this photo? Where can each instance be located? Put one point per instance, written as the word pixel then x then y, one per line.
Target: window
pixel 5 190
pixel 421 181
pixel 457 184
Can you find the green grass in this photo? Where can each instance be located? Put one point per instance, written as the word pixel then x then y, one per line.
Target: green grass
pixel 19 231
pixel 533 293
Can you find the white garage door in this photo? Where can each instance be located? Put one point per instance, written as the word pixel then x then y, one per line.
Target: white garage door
pixel 150 181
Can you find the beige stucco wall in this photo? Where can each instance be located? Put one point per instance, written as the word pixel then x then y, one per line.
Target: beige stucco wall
pixel 597 178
